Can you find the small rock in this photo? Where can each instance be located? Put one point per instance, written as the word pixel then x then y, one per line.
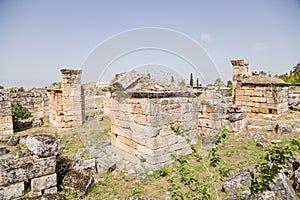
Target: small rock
pixel 276 141
pixel 283 128
pixel 77 182
pixel 240 180
pixel 256 136
pixel 263 144
pixel 37 122
pixel 43 145
pixel 13 140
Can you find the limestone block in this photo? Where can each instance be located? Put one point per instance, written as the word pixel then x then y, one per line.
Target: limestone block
pixel 12 191
pixel 23 169
pixel 43 145
pixel 106 164
pixel 52 190
pixel 77 182
pixel 44 182
pixel 83 165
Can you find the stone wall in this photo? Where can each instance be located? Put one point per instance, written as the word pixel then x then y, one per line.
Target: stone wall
pixel 66 101
pixel 266 99
pixel 6 124
pixel 36 101
pixel 213 114
pixel 142 126
pixel 259 93
pixel 34 175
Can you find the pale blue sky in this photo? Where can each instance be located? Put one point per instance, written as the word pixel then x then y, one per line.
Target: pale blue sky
pixel 38 38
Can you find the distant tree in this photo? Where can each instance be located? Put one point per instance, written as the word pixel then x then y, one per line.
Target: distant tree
pixel 263 73
pixel 229 91
pixel 1 87
pixel 197 82
pixel 191 80
pixel 18 113
pixel 229 83
pixel 172 79
pixel 219 83
pixel 21 89
pixel 293 77
pixel 181 83
pixel 296 69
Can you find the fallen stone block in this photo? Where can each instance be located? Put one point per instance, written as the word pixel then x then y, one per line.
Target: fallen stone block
pixel 283 128
pixel 237 116
pixel 12 191
pixel 77 182
pixel 43 145
pixel 83 165
pixel 13 140
pixel 282 188
pixel 240 180
pixel 44 182
pixel 23 169
pixel 106 164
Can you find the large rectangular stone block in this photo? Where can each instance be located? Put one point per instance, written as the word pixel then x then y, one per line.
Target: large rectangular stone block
pixel 44 182
pixel 12 191
pixel 23 169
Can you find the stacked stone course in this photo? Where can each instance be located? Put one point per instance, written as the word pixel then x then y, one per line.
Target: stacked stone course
pixel 67 101
pixel 141 123
pixel 259 93
pixel 33 174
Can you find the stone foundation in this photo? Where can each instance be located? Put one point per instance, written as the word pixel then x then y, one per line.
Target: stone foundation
pixel 142 126
pixel 213 115
pixel 35 176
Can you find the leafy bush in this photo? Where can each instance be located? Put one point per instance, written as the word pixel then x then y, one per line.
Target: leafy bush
pixel 18 113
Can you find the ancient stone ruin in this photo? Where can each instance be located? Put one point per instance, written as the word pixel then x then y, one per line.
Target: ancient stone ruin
pixel 150 122
pixel 34 175
pixel 259 93
pixel 6 124
pixel 66 101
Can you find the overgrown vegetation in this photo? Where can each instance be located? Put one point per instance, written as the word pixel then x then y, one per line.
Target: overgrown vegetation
pixel 275 159
pixel 18 113
pixel 293 76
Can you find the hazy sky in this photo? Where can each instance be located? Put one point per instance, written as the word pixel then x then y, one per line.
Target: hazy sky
pixel 38 38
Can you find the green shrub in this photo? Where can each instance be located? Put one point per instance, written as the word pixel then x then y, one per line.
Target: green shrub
pixel 18 113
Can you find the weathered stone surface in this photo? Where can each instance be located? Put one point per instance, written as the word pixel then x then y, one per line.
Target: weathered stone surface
pixel 261 128
pixel 43 145
pixel 2 150
pixel 12 191
pixel 106 164
pixel 281 187
pixel 83 165
pixel 44 182
pixel 266 195
pixel 126 80
pixel 52 190
pixel 45 197
pixel 296 183
pixel 23 169
pixel 237 116
pixel 240 180
pixel 13 140
pixel 283 128
pixel 77 182
pixel 256 136
pixel 4 138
